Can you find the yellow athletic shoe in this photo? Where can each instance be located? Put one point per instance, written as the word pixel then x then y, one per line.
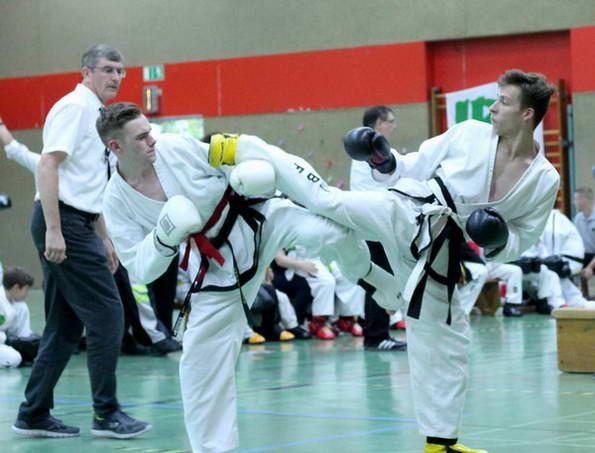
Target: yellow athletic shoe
pixel 456 448
pixel 286 336
pixel 255 338
pixel 222 150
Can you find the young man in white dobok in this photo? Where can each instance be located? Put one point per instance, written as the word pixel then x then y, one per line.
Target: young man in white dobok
pixel 488 183
pixel 164 191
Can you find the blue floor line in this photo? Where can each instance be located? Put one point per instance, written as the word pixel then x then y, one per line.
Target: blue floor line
pixel 241 411
pixel 327 438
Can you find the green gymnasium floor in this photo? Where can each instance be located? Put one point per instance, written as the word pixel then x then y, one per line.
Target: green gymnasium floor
pixel 334 397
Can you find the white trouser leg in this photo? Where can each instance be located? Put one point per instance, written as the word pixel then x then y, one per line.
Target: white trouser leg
pixel 322 287
pixel 469 293
pixel 549 287
pixel 398 316
pixel 20 325
pixel 350 297
pixel 286 311
pixel 571 294
pixel 438 358
pixel 372 213
pixel 9 357
pixel 212 342
pixel 513 276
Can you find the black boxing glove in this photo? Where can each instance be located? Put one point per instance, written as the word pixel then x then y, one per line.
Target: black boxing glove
pixel 364 144
pixel 5 201
pixel 488 229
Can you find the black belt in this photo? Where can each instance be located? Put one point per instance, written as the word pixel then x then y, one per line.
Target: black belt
pixel 455 237
pixel 87 215
pixel 240 207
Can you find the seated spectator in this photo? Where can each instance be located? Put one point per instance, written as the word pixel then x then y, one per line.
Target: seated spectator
pixel 585 224
pixel 560 249
pixel 349 303
pixel 18 343
pixel 321 285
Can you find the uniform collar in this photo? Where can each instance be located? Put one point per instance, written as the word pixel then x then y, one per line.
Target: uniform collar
pixel 88 95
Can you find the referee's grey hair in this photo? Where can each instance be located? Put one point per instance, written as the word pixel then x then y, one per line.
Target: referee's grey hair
pixel 585 192
pixel 98 51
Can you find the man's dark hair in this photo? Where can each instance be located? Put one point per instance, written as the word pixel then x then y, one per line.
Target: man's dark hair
pixel 97 51
pixel 372 114
pixel 535 90
pixel 16 275
pixel 112 119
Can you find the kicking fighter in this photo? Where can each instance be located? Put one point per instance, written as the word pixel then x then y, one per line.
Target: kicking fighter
pixel 489 183
pixel 165 190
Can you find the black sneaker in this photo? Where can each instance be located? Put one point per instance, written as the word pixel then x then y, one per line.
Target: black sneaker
pixel 50 427
pixel 512 310
pixel 166 346
pixel 118 425
pixel 300 333
pixel 388 344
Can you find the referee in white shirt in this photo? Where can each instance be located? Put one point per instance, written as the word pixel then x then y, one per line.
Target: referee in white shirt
pixel 77 257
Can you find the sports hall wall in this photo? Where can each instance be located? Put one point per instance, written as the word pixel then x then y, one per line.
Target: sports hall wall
pixel 299 74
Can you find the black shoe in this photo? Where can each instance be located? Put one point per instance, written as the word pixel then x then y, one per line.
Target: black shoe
pixel 300 333
pixel 118 425
pixel 50 427
pixel 512 310
pixel 26 346
pixel 166 346
pixel 542 307
pixel 388 344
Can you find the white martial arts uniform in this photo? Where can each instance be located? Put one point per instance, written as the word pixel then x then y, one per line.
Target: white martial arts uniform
pixel 322 284
pixel 463 157
pixel 349 297
pixel 469 292
pixel 14 321
pixel 561 237
pixel 216 323
pixel 512 275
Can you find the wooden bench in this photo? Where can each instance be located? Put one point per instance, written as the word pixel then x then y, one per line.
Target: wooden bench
pixel 576 339
pixel 489 298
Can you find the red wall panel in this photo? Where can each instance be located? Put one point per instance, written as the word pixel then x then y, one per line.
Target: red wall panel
pixel 387 74
pixel 582 42
pixel 460 64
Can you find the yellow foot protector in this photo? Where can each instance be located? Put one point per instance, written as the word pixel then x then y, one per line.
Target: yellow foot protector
pixel 456 448
pixel 222 150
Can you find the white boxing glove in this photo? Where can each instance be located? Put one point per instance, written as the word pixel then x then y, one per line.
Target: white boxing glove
pixel 386 294
pixel 253 177
pixel 178 218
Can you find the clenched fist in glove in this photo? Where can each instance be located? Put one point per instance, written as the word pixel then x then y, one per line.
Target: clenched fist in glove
pixel 488 229
pixel 177 219
pixel 363 143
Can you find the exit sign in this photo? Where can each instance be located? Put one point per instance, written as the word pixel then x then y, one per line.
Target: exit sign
pixel 153 73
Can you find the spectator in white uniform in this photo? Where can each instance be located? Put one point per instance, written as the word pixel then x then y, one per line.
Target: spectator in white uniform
pixel 585 224
pixel 18 343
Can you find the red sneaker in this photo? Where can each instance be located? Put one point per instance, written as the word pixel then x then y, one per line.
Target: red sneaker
pixel 344 324
pixel 400 325
pixel 356 330
pixel 325 333
pixel 316 323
